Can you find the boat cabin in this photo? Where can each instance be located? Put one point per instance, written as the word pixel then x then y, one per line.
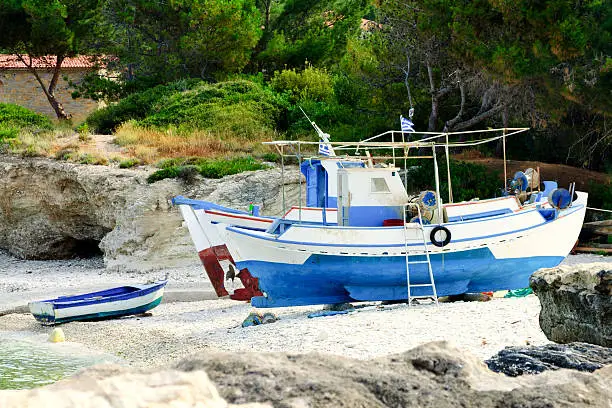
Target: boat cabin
pixel 322 179
pixel 367 196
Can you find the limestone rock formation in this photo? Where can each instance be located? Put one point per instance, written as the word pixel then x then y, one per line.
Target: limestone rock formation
pixel 515 361
pixel 432 375
pixel 114 386
pixel 576 303
pixel 51 209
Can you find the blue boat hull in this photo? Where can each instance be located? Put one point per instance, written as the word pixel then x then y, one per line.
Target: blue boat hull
pixel 106 304
pixel 326 279
pixel 101 315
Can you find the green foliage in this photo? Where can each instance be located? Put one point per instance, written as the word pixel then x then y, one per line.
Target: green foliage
pixel 468 180
pixel 342 122
pixel 310 30
pixel 99 88
pixel 242 107
pixel 57 28
pixel 271 157
pixel 66 154
pixel 600 196
pixel 168 40
pixel 220 35
pixel 20 117
pixel 15 118
pixel 128 163
pixel 48 27
pixel 135 106
pixel 185 168
pixel 312 84
pixel 8 133
pixel 88 158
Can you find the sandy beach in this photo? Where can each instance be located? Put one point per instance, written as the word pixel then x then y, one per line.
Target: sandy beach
pixel 178 329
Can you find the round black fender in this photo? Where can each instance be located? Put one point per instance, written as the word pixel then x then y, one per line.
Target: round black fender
pixel 442 233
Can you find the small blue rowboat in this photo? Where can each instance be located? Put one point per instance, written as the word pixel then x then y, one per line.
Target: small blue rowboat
pixel 115 302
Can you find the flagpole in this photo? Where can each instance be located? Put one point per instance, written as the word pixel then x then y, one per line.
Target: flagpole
pixel 393 149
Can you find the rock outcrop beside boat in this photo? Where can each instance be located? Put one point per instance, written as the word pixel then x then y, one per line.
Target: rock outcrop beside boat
pixel 576 303
pixel 52 209
pixel 515 361
pixel 431 375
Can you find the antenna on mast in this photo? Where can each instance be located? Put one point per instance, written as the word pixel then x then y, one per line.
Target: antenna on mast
pixel 328 150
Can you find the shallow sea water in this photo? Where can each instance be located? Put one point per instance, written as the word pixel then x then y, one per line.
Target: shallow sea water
pixel 29 363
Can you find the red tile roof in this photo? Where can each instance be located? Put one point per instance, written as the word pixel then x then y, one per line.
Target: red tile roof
pixel 9 61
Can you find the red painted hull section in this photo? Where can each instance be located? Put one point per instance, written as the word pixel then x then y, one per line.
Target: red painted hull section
pixel 211 258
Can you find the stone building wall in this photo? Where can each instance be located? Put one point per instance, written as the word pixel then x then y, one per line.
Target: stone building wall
pixel 21 88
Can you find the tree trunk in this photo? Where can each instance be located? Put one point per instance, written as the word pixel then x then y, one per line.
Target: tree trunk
pixel 433 115
pixel 55 104
pixel 268 5
pixel 57 107
pixel 49 92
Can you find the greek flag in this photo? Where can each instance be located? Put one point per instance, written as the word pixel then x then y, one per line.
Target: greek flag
pixel 324 149
pixel 407 125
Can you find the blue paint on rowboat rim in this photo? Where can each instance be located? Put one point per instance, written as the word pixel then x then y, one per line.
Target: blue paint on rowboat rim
pixel 50 319
pixel 109 295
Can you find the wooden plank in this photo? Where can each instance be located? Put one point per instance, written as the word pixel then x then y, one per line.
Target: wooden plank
pixel 592 250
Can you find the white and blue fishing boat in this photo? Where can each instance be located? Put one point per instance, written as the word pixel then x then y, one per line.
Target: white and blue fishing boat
pixel 105 304
pixel 360 237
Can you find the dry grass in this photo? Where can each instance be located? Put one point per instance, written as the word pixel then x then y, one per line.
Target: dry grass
pixel 139 144
pixel 151 145
pixel 33 145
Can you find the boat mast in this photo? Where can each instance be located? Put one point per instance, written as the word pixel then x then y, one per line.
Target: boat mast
pixel 300 179
pixel 505 170
pixel 282 154
pixel 437 177
pixel 450 188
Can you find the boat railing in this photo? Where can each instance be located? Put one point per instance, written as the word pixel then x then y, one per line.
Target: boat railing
pixel 306 150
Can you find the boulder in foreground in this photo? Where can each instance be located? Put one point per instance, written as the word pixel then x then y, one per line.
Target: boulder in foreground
pixel 576 303
pixel 515 361
pixel 431 375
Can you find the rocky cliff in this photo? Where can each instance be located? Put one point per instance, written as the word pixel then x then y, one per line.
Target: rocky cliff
pixel 51 209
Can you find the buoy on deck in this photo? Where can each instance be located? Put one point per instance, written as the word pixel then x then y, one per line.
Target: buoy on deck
pixel 57 336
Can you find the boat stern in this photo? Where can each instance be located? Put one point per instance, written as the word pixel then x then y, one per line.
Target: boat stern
pixel 43 312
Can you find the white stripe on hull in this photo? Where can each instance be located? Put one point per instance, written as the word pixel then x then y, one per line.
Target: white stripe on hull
pixel 108 306
pixel 522 234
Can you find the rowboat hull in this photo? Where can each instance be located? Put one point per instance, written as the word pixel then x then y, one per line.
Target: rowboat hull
pixel 112 303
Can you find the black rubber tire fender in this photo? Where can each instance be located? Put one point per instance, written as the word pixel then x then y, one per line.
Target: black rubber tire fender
pixel 432 236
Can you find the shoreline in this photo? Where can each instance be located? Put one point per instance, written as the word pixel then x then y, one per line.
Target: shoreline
pixel 178 329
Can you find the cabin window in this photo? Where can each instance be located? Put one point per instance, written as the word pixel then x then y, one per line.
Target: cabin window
pixel 379 185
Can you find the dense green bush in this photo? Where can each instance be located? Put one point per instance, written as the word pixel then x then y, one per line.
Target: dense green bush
pixel 136 106
pixel 128 163
pixel 7 132
pixel 243 107
pixel 18 117
pixel 187 168
pixel 312 84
